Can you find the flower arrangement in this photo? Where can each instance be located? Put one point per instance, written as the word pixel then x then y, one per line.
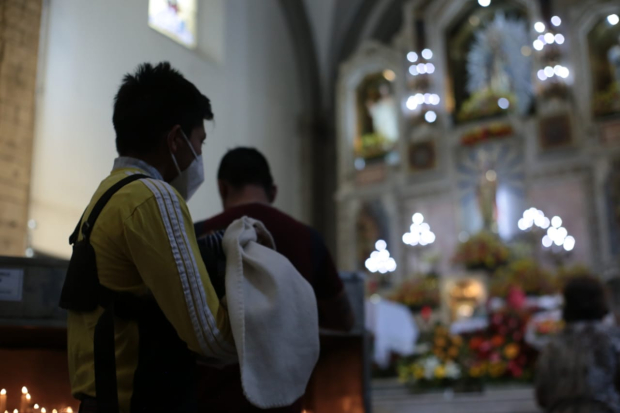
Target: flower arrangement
pixel 501 353
pixel 417 293
pixel 607 102
pixel 483 103
pixel 482 251
pixel 439 366
pixel 527 275
pixel 496 130
pixel 372 145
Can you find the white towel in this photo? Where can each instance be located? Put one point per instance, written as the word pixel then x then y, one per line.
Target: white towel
pixel 273 315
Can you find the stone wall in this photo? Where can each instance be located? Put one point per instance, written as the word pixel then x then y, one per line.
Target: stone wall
pixel 20 21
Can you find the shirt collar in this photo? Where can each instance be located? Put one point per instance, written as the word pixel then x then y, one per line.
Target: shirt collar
pixel 123 162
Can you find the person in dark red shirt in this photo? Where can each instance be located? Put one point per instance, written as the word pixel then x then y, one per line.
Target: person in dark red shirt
pixel 247 189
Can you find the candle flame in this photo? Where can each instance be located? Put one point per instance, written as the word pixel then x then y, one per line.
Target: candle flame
pixel 36 406
pixel 43 410
pixel 69 410
pixel 54 411
pixel 3 392
pixel 28 396
pixel 24 391
pixel 15 411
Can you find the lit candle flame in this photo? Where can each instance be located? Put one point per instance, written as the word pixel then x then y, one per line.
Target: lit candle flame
pixel 54 411
pixel 28 396
pixel 36 406
pixel 69 410
pixel 3 392
pixel 43 410
pixel 15 411
pixel 24 391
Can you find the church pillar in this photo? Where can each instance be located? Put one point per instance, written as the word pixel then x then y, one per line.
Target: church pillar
pixel 20 22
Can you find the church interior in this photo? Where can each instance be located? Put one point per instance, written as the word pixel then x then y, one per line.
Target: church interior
pixel 460 158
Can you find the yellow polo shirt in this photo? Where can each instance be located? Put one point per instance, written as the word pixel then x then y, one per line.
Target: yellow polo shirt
pixel 144 241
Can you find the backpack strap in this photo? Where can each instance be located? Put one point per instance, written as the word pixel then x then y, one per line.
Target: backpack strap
pixel 87 226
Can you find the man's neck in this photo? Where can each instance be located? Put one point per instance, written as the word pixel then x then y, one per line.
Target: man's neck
pixel 247 195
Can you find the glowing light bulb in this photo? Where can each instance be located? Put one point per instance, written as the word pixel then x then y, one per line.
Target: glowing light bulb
pixel 559 38
pixel 556 21
pixel 417 218
pixel 538 45
pixel 430 116
pixel 412 57
pixel 613 19
pixel 484 3
pixel 427 54
pixel 539 27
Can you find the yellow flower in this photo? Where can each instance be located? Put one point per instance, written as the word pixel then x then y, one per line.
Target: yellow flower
pixel 511 351
pixel 441 331
pixel 440 372
pixel 475 371
pixel 497 369
pixel 453 352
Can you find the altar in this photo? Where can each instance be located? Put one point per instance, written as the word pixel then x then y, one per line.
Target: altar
pixel 478 167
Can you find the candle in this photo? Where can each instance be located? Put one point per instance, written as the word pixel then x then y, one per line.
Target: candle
pixel 24 401
pixel 43 410
pixel 2 400
pixel 28 399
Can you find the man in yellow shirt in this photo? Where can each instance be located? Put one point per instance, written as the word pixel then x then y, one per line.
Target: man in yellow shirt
pixel 140 311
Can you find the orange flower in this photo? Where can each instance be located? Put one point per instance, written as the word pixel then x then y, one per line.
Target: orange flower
pixel 497 341
pixel 511 351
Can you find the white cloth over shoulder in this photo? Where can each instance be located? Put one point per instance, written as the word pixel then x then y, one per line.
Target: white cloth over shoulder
pixel 274 317
pixel 394 329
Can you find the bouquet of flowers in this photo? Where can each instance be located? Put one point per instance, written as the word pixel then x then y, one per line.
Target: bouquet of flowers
pixel 493 131
pixel 501 353
pixel 439 366
pixel 527 275
pixel 417 293
pixel 482 251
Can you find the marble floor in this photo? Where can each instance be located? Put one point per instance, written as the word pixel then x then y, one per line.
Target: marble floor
pixel 388 396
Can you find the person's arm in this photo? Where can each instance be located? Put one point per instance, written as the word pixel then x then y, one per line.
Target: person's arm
pixel 335 312
pixel 162 245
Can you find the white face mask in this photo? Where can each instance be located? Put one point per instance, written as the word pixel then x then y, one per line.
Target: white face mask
pixel 188 181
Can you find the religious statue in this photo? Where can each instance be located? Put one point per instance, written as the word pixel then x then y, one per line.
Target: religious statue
pixel 614 58
pixel 383 113
pixel 499 80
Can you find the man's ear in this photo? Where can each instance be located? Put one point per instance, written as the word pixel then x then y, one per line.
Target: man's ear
pixel 273 193
pixel 172 138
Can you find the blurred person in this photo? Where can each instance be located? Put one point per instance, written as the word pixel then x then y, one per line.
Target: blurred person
pixel 140 300
pixel 613 292
pixel 247 188
pixel 578 371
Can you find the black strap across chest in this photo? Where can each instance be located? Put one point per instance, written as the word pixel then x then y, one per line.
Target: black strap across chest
pixel 87 226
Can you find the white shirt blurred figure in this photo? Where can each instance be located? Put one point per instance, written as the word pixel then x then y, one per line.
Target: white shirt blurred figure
pixel 384 115
pixel 393 327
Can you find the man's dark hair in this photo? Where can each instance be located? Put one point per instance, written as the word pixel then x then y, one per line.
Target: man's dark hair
pixel 245 166
pixel 584 300
pixel 150 102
